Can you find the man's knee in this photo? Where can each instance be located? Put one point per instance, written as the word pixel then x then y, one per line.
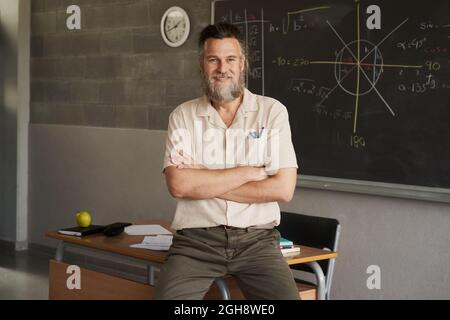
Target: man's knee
pixel 183 289
pixel 183 278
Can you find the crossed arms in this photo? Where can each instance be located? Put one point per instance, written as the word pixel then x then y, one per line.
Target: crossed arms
pixel 241 184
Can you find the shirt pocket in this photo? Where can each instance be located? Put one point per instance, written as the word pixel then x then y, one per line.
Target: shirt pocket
pixel 256 150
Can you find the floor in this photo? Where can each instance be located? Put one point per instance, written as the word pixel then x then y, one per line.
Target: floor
pixel 23 275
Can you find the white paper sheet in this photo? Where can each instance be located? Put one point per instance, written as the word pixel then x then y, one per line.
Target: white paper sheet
pixel 148 247
pixel 146 229
pixel 159 242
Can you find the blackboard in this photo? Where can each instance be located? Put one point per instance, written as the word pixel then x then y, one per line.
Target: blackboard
pixel 385 119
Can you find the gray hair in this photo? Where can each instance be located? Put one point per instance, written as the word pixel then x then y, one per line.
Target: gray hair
pixel 220 31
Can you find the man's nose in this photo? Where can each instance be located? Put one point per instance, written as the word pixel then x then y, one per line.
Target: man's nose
pixel 222 67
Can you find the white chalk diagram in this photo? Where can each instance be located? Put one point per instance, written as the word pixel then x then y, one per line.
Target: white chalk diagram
pixel 363 57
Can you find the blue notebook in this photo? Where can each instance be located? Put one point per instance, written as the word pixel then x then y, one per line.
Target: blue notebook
pixel 285 243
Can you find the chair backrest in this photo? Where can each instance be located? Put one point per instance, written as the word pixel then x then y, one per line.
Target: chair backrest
pixel 311 231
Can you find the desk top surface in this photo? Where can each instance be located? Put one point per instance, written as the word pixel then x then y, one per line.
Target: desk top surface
pixel 121 245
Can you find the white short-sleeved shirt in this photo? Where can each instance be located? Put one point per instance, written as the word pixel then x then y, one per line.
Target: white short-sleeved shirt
pixel 260 135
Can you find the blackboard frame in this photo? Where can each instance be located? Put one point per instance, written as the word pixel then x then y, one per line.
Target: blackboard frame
pixel 374 188
pixel 383 189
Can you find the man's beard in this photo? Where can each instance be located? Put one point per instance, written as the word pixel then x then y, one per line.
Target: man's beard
pixel 224 93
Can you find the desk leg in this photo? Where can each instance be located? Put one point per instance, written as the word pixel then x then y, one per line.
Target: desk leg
pixel 151 274
pixel 223 288
pixel 60 251
pixel 320 277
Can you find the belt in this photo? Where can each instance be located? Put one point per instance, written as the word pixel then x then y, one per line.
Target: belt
pixel 225 227
pixel 231 228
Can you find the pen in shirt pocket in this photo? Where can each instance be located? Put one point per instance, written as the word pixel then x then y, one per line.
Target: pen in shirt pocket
pixel 255 134
pixel 261 132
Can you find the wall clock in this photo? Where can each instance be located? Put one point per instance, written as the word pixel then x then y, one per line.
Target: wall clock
pixel 175 26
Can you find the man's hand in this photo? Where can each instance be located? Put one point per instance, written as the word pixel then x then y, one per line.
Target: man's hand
pixel 182 160
pixel 193 181
pixel 279 187
pixel 255 173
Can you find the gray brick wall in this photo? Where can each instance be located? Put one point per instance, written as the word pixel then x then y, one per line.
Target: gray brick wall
pixel 116 71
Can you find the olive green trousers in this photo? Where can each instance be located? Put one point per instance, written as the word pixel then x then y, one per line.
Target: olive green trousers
pixel 199 255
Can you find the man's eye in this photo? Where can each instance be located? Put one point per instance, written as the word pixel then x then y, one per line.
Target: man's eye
pixel 212 60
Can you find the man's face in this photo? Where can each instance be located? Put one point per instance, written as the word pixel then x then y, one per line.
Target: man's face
pixel 223 69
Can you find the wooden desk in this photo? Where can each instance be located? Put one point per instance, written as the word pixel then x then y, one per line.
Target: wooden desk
pixel 120 245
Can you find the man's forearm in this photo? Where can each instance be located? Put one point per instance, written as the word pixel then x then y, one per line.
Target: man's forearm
pixel 275 188
pixel 253 192
pixel 198 184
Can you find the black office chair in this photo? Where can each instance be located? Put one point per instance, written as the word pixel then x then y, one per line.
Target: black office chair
pixel 312 231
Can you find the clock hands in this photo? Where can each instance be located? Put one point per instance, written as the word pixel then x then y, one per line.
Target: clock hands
pixel 174 26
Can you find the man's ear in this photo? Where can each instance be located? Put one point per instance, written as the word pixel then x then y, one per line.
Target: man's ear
pixel 243 62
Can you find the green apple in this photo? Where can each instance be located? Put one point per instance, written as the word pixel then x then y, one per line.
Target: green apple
pixel 83 219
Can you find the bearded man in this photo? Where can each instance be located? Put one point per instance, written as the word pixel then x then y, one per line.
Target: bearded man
pixel 229 159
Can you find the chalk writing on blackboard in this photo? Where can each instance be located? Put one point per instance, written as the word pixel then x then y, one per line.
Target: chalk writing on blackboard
pixel 366 83
pixel 359 60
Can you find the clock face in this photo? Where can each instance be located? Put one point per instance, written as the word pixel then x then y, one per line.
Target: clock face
pixel 175 26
